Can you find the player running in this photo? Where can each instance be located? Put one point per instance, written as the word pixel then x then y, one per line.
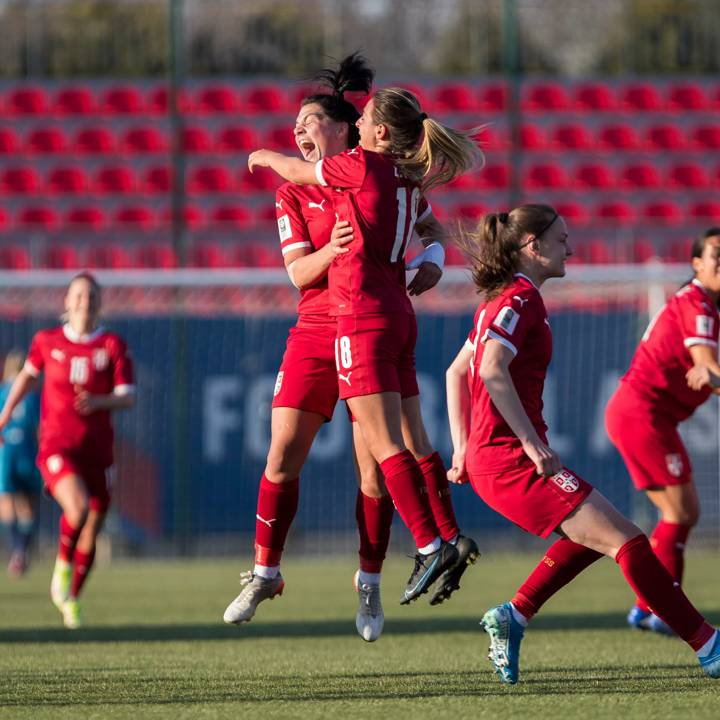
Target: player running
pixel 500 442
pixel 378 188
pixel 674 370
pixel 88 374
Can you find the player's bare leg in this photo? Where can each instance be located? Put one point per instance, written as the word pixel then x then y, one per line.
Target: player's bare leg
pixel 24 514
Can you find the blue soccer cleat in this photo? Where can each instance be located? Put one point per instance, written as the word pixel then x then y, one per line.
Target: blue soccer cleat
pixel 506 634
pixel 655 624
pixel 638 618
pixel 711 662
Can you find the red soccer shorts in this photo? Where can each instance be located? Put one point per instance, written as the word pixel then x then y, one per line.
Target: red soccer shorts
pixel 649 444
pixel 534 503
pixel 57 463
pixel 375 353
pixel 307 379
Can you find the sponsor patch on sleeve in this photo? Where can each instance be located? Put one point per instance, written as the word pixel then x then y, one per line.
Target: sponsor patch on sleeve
pixel 507 320
pixel 284 228
pixel 704 325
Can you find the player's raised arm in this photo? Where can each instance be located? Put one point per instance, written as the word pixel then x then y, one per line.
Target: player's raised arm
pixel 23 384
pixel 289 168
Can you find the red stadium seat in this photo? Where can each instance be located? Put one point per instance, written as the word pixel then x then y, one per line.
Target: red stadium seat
pixel 571 137
pixel 5 222
pixel 492 98
pixel 158 100
pixel 234 215
pixel 157 180
pixel 9 141
pixel 61 257
pixel 469 211
pixel 27 100
pixel 680 251
pixel 532 137
pixel 67 181
pixel 135 217
pixel 49 140
pixel 616 211
pixel 545 175
pixel 640 96
pixel 707 137
pixel 495 177
pixel 640 175
pixel 192 216
pixel 216 99
pixel 490 138
pixel 687 96
pixel 662 211
pixel 19 181
pixel 455 97
pixel 594 97
pixel 575 214
pixel 262 180
pixel 546 97
pixel 113 257
pixel 74 101
pixel 454 255
pixel 94 140
pixel 210 255
pixel 424 97
pixel 237 139
pixel 688 175
pixel 594 176
pixel 706 209
pixel 264 255
pixel 641 251
pixel 122 100
pixel 88 218
pixel 14 257
pixel 143 140
pixel 115 179
pixel 156 256
pixel 264 99
pixel 618 137
pixel 38 216
pixel 210 179
pixel 196 140
pixel 665 137
pixel 593 252
pixel 281 137
pixel 266 214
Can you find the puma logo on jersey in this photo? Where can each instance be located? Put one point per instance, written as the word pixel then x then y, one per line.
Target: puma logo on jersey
pixel 267 522
pixel 319 205
pixel 522 301
pixel 58 355
pixel 346 378
pixel 279 204
pixel 354 151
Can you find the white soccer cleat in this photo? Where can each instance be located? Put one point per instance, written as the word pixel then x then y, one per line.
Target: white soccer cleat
pixel 256 589
pixel 60 584
pixel 370 618
pixel 72 617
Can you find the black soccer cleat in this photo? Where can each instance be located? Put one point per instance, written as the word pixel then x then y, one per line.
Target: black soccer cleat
pixel 449 581
pixel 427 570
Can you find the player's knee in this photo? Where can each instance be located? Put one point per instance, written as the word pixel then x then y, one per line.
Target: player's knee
pixel 77 512
pixel 687 516
pixel 281 469
pixel 372 482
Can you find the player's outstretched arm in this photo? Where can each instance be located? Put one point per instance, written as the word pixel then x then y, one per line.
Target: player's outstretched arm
pixel 458 405
pixel 23 384
pixel 289 168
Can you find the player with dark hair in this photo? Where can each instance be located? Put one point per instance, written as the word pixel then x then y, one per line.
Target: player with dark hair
pixel 500 441
pixel 88 374
pixel 674 370
pixel 378 187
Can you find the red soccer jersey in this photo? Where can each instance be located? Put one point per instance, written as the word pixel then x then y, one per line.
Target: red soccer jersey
pixel 98 363
pixel 516 318
pixel 382 208
pixel 657 371
pixel 305 217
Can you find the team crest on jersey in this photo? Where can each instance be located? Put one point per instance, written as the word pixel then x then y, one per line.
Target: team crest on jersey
pixel 57 355
pixel 704 325
pixel 100 359
pixel 54 464
pixel 674 464
pixel 278 382
pixel 284 228
pixel 566 481
pixel 507 320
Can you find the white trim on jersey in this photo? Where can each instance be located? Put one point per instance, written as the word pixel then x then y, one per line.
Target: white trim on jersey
pixel 469 345
pixel 123 390
pixel 295 246
pixel 30 369
pixel 522 275
pixel 491 335
pixel 319 173
pixel 428 211
pixel 72 336
pixel 689 342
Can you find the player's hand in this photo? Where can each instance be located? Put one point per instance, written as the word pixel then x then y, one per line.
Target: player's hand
pixel 698 376
pixel 85 403
pixel 546 460
pixel 427 277
pixel 457 473
pixel 259 158
pixel 341 235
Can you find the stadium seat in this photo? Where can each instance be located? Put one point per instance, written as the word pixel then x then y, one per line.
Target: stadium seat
pixel 9 141
pixel 94 140
pixel 237 139
pixel 192 216
pixel 74 101
pixel 157 101
pixel 85 218
pixel 708 210
pixel 494 177
pixel 545 97
pixel 594 97
pixel 490 138
pixel 264 99
pixel 641 251
pixel 157 180
pixel 640 96
pixel 208 179
pixel 112 257
pixel 45 141
pixel 593 252
pixel 615 211
pixel 471 211
pixel 60 257
pixel 122 100
pixel 531 137
pixel 206 254
pixel 266 213
pixel 264 255
pixel 492 98
pixel 38 216
pixel 640 175
pixel 19 181
pixel 665 137
pixel 680 250
pixel 662 211
pixel 454 256
pixel 575 214
pixel 143 140
pixel 135 217
pixel 570 137
pixel 69 180
pixel 5 221
pixel 618 137
pixel 455 97
pixel 706 137
pixel 115 179
pixel 281 137
pixel 262 180
pixel 687 175
pixel 423 95
pixel 196 139
pixel 593 176
pixel 233 215
pixel 216 99
pixel 156 256
pixel 687 96
pixel 27 100
pixel 14 257
pixel 547 175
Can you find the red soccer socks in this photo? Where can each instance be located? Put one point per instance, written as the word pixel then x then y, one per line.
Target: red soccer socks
pixel 68 540
pixel 374 518
pixel 83 563
pixel 276 508
pixel 438 489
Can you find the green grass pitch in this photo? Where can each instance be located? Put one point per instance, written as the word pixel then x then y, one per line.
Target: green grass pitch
pixel 155 647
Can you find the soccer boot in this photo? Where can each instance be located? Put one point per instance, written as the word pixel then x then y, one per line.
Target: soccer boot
pixel 18 564
pixel 449 581
pixel 255 590
pixel 370 618
pixel 655 624
pixel 710 663
pixel 638 618
pixel 72 617
pixel 60 583
pixel 506 634
pixel 427 570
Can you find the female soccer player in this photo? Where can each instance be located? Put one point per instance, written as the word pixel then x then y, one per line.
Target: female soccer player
pixel 307 390
pixel 377 188
pixel 88 374
pixel 500 445
pixel 20 481
pixel 670 375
